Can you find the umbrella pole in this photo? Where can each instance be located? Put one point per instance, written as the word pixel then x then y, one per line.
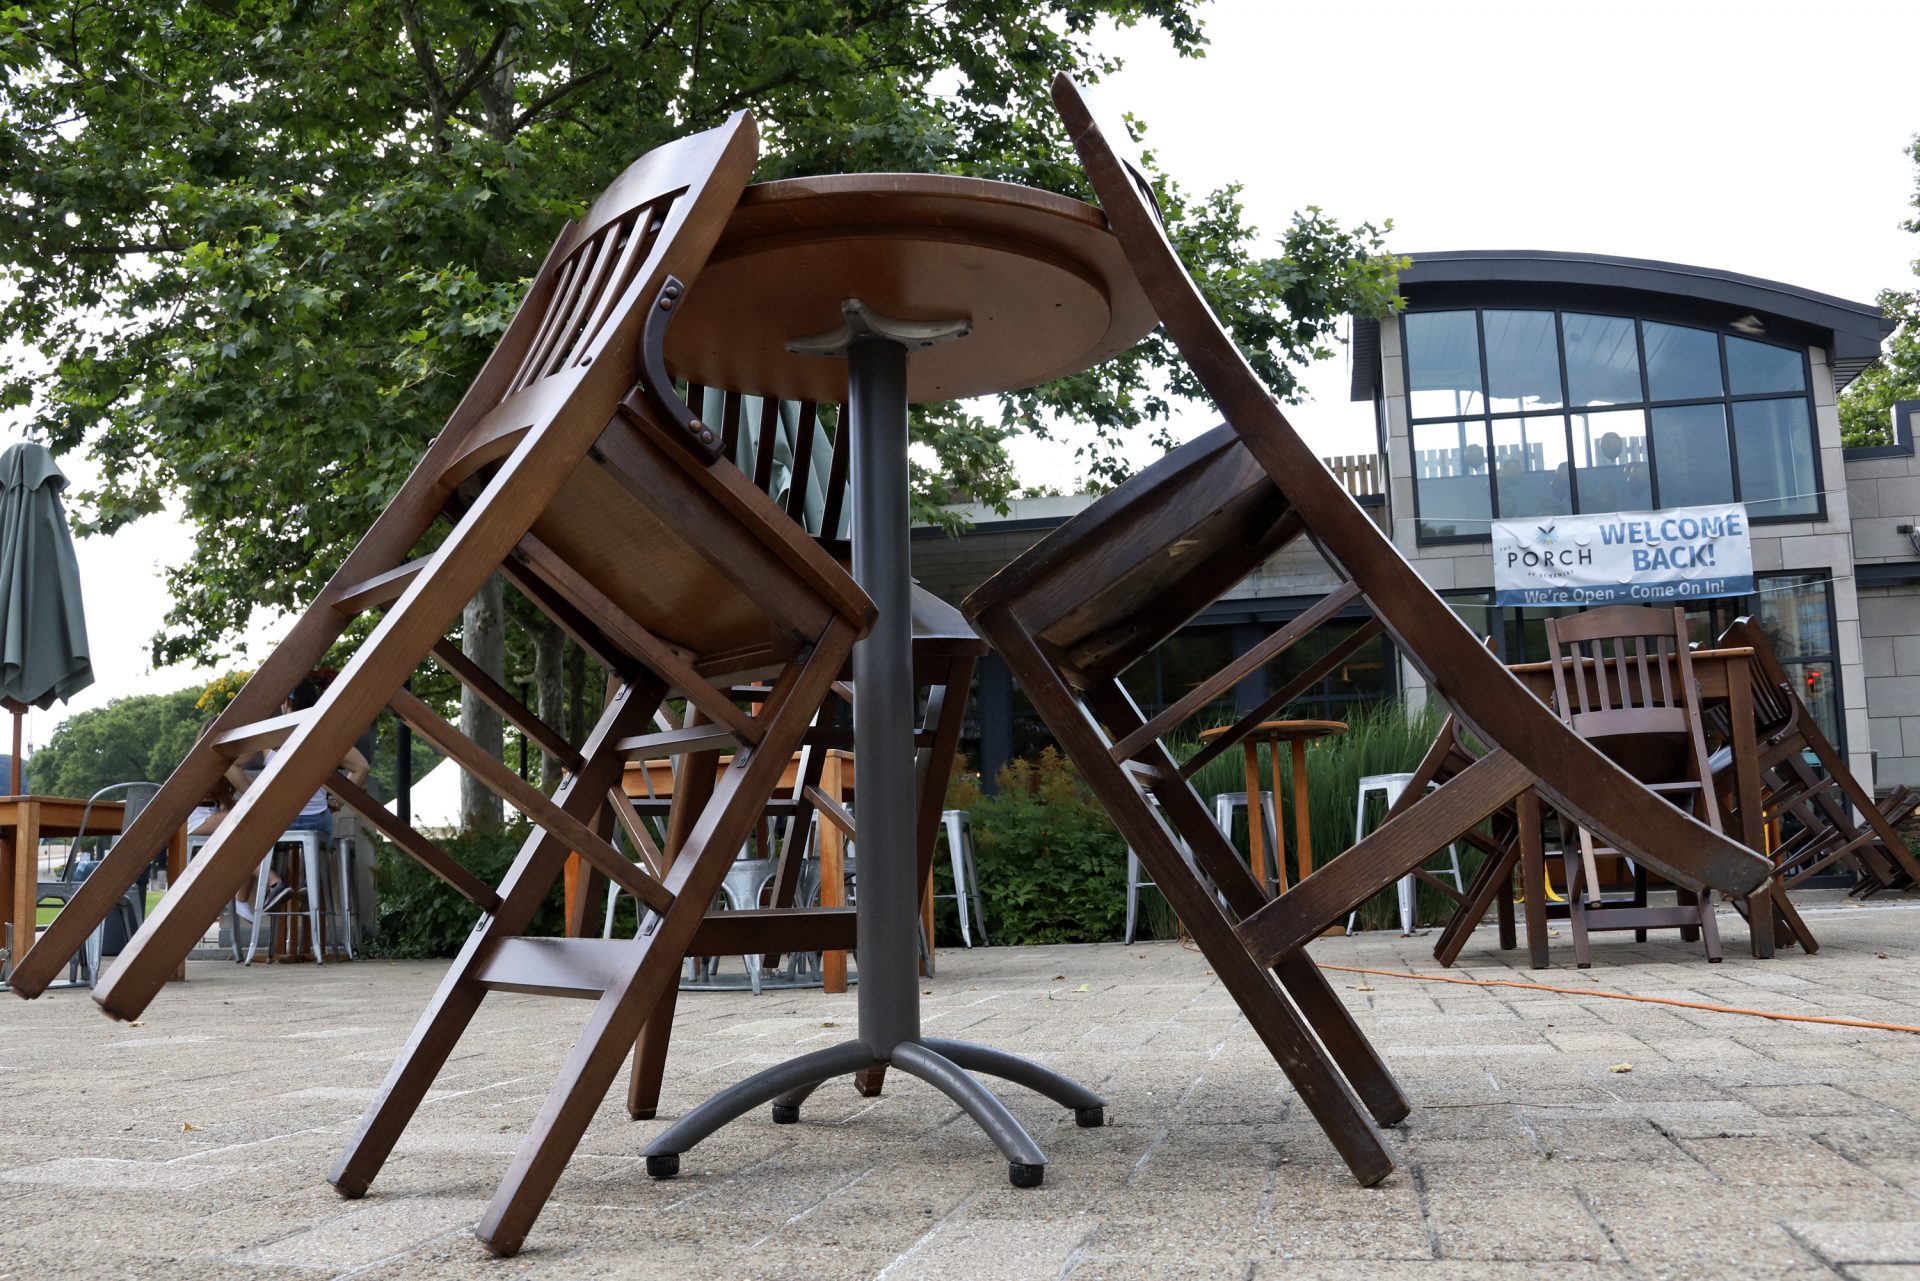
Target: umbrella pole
pixel 19 710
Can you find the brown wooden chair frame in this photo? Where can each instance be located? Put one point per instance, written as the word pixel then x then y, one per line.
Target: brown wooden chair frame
pixel 570 447
pixel 1037 613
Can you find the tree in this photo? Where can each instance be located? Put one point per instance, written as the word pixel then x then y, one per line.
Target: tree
pixel 1867 406
pixel 139 737
pixel 265 243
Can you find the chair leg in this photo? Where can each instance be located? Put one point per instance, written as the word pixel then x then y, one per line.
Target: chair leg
pixel 1710 927
pixel 1494 881
pixel 1533 879
pixel 538 865
pixel 1577 906
pixel 310 857
pixel 618 1015
pixel 1288 1038
pixel 959 877
pixel 973 883
pixel 1133 893
pixel 259 907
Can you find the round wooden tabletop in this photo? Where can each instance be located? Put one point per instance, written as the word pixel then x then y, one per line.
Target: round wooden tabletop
pixel 1281 731
pixel 1039 275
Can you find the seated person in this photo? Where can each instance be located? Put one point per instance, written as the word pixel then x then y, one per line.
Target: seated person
pixel 315 816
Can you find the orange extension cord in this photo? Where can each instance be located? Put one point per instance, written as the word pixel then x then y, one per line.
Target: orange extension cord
pixel 1628 996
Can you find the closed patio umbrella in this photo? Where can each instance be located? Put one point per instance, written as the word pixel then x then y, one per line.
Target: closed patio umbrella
pixel 43 629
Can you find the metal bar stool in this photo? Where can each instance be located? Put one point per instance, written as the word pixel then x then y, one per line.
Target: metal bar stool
pixel 966 882
pixel 1391 787
pixel 313 875
pixel 1223 806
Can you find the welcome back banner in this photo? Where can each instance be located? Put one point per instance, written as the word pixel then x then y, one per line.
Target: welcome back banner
pixel 1679 554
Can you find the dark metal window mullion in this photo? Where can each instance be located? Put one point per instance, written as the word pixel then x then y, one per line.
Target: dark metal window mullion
pixel 1566 415
pixel 1486 418
pixel 1646 414
pixel 1733 447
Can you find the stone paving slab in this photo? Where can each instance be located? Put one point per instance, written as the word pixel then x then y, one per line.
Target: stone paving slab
pixel 195 1143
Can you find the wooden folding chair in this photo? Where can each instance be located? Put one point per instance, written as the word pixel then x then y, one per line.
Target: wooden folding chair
pixel 1108 586
pixel 609 508
pixel 1819 801
pixel 1623 681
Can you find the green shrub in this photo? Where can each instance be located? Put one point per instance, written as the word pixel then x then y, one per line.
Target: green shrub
pixel 422 916
pixel 1052 867
pixel 1381 738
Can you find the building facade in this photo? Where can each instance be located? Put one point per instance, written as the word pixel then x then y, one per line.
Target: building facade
pixel 1535 385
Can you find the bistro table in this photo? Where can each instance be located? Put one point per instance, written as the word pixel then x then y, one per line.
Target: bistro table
pixel 24 821
pixel 879 291
pixel 1723 677
pixel 1296 734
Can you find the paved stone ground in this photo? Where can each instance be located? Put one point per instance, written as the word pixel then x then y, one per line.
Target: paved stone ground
pixel 195 1143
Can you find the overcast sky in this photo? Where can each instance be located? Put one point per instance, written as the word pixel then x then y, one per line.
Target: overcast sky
pixel 1764 138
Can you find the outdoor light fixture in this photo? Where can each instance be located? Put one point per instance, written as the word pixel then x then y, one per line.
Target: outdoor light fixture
pixel 1750 324
pixel 1913 535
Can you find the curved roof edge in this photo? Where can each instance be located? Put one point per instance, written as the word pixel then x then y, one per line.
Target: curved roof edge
pixel 1850 331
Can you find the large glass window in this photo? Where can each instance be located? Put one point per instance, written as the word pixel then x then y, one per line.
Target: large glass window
pixel 1755 368
pixel 1682 363
pixel 1603 360
pixel 1691 443
pixel 1775 444
pixel 1610 461
pixel 1796 612
pixel 1523 361
pixel 1530 466
pixel 1450 472
pixel 1531 413
pixel 1443 362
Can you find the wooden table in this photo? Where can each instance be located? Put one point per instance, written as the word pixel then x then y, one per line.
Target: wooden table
pixel 1296 734
pixel 24 821
pixel 1723 676
pixel 820 289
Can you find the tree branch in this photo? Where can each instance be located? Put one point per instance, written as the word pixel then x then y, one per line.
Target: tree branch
pixel 554 95
pixel 458 94
pixel 415 25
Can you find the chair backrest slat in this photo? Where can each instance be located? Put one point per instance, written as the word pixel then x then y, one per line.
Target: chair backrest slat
pixel 730 426
pixel 770 428
pixel 802 472
pixel 836 477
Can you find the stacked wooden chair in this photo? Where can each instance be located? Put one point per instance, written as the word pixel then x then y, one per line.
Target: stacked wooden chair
pixel 1823 802
pixel 573 468
pixel 1110 585
pixel 1623 680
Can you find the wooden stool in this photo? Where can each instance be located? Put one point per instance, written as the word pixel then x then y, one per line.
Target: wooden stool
pixel 1273 733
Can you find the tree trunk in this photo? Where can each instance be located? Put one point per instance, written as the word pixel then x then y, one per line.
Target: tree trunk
pixel 549 686
pixel 483 637
pixel 584 717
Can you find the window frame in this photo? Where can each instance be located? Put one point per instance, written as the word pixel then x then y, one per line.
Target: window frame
pixel 1645 406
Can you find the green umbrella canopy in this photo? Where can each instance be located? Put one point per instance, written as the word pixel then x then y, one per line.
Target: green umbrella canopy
pixel 43 629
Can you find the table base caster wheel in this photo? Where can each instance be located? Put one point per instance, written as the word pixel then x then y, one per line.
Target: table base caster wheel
pixel 783 1114
pixel 1025 1176
pixel 664 1166
pixel 1089 1118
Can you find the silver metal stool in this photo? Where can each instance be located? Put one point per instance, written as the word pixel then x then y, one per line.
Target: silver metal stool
pixel 1223 806
pixel 1392 787
pixel 966 882
pixel 314 877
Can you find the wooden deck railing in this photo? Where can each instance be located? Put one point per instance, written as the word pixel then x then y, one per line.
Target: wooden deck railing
pixel 1362 474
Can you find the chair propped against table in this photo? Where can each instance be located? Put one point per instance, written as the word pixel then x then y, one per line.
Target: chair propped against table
pixel 1114 582
pixel 1623 681
pixel 557 473
pixel 1819 800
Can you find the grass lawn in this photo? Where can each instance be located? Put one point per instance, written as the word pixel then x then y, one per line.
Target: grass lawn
pixel 48 913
